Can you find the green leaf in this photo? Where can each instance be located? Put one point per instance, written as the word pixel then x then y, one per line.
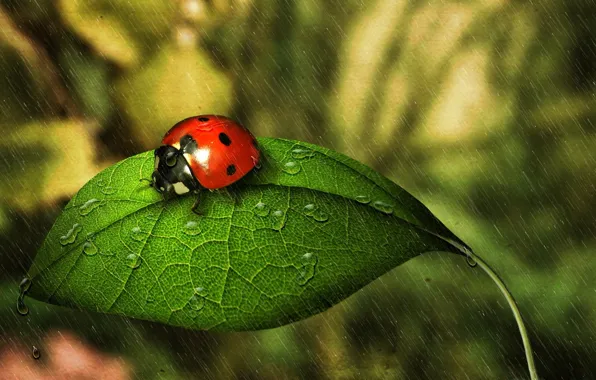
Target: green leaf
pixel 304 232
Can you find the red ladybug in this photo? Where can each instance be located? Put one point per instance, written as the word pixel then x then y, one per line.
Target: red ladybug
pixel 206 151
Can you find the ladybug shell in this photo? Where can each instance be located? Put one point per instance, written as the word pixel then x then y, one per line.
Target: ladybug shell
pixel 218 150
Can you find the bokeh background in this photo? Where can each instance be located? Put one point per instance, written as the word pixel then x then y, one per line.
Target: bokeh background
pixel 482 109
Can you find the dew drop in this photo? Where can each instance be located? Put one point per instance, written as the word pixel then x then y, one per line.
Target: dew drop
pixel 309 209
pixel 24 285
pixel 35 353
pixel 196 302
pixel 71 235
pixel 89 206
pixel 133 261
pixel 137 234
pixel 152 216
pixel 364 199
pixel 278 220
pixel 21 307
pixel 193 313
pixel 383 207
pixel 89 248
pixel 201 291
pixel 108 190
pixel 306 268
pixel 300 153
pixel 471 262
pixel 291 167
pixel 320 216
pixel 23 288
pixel 261 209
pixel 192 228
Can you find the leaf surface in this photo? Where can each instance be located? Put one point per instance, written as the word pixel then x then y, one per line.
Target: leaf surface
pixel 304 232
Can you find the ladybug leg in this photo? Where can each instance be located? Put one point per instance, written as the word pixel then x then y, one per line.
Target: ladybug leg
pixel 149 181
pixel 195 205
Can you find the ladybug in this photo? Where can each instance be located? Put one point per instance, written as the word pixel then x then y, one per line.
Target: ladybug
pixel 205 151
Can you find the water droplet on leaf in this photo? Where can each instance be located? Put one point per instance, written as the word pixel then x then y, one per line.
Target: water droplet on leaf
pixel 23 288
pixel 306 268
pixel 133 261
pixel 137 234
pixel 383 207
pixel 320 216
pixel 108 190
pixel 291 167
pixel 364 199
pixel 278 220
pixel 35 353
pixel 192 228
pixel 196 302
pixel 201 291
pixel 309 209
pixel 89 248
pixel 89 206
pixel 152 216
pixel 471 262
pixel 261 209
pixel 21 307
pixel 71 235
pixel 316 213
pixel 24 285
pixel 257 163
pixel 300 153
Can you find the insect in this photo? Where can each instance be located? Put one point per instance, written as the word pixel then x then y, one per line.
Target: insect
pixel 203 152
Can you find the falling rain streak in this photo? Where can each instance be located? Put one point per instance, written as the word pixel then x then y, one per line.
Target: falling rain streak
pixel 484 108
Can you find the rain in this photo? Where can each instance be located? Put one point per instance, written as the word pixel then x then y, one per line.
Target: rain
pixel 483 110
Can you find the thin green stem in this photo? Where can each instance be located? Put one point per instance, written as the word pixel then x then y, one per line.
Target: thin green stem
pixel 514 308
pixel 512 304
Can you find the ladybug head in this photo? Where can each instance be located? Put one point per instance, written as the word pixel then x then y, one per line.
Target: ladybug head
pixel 172 175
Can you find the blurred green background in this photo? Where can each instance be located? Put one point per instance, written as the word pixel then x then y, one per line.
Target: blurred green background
pixel 482 109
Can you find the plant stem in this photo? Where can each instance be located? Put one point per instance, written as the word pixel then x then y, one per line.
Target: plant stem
pixel 508 296
pixel 514 308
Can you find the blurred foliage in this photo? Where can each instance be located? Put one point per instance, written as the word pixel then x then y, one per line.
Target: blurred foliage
pixel 483 109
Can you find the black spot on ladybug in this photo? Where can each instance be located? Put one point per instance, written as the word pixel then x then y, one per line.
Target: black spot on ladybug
pixel 203 119
pixel 225 139
pixel 188 144
pixel 231 169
